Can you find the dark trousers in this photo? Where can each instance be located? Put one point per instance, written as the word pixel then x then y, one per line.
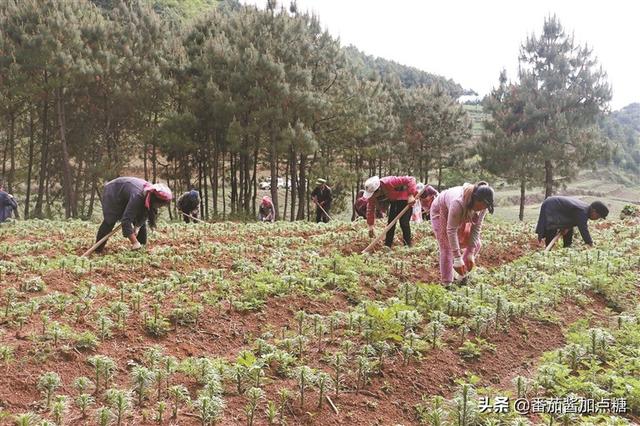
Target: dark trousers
pixel 395 209
pixel 107 227
pixel 320 216
pixel 567 239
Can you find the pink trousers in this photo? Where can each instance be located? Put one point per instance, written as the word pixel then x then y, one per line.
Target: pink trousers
pixel 446 257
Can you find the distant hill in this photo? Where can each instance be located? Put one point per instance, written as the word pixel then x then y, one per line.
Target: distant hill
pixel 176 10
pixel 409 76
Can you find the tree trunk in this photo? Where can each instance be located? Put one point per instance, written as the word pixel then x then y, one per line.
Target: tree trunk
pixel 94 189
pixel 214 179
pixel 224 198
pixel 522 199
pixel 44 152
pixel 67 183
pixel 286 189
pixel 273 163
pixel 254 179
pixel 294 186
pixel 154 149
pixel 206 185
pixel 29 166
pixel 12 152
pixel 302 184
pixel 548 178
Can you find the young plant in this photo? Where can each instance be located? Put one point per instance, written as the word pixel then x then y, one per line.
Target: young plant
pixel 83 401
pixel 465 405
pixel 254 395
pixel 161 407
pixel 27 419
pixel 284 395
pixel 6 355
pixel 271 412
pixel 47 384
pixel 103 367
pixel 59 409
pixel 103 416
pixel 82 384
pixel 142 378
pixel 364 368
pixel 120 401
pixel 306 376
pixel 210 409
pixel 104 325
pixel 179 395
pixel 435 330
pixel 156 325
pixel 338 360
pixel 323 382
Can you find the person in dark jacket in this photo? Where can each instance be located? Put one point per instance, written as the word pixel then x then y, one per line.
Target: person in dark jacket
pixel 188 204
pixel 321 196
pixel 562 214
pixel 266 211
pixel 8 205
pixel 134 202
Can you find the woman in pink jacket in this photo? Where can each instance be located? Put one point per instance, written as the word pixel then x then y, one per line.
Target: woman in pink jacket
pixel 451 211
pixel 400 191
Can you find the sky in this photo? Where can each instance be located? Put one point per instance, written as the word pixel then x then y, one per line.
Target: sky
pixel 471 41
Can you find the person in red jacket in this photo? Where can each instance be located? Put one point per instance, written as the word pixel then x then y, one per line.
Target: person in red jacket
pixel 400 191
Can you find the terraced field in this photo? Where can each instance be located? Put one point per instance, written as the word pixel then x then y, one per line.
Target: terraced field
pixel 287 323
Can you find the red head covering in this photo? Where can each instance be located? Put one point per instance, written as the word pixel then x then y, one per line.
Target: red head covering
pixel 161 191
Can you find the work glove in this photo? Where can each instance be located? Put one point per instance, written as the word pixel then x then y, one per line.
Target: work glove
pixel 136 246
pixel 372 234
pixel 459 267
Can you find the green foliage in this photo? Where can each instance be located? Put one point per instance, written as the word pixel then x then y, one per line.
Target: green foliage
pixel 47 384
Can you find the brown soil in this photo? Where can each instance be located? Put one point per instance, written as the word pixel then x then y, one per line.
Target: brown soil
pixel 223 332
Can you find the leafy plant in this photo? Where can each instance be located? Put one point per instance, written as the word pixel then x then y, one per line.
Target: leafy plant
pixel 254 395
pixel 47 384
pixel 120 402
pixel 179 395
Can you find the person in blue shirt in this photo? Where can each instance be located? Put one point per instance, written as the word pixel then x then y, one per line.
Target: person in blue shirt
pixel 189 205
pixel 562 214
pixel 8 205
pixel 134 202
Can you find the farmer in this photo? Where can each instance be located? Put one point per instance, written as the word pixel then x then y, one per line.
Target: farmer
pixel 188 205
pixel 561 214
pixel 453 211
pixel 400 191
pixel 321 196
pixel 360 207
pixel 133 202
pixel 266 212
pixel 421 209
pixel 8 205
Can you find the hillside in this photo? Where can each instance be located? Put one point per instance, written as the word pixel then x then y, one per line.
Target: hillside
pixel 409 76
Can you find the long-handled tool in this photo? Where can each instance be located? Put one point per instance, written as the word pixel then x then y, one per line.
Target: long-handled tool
pixel 553 242
pixel 195 218
pixel 392 223
pixel 102 241
pixel 323 210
